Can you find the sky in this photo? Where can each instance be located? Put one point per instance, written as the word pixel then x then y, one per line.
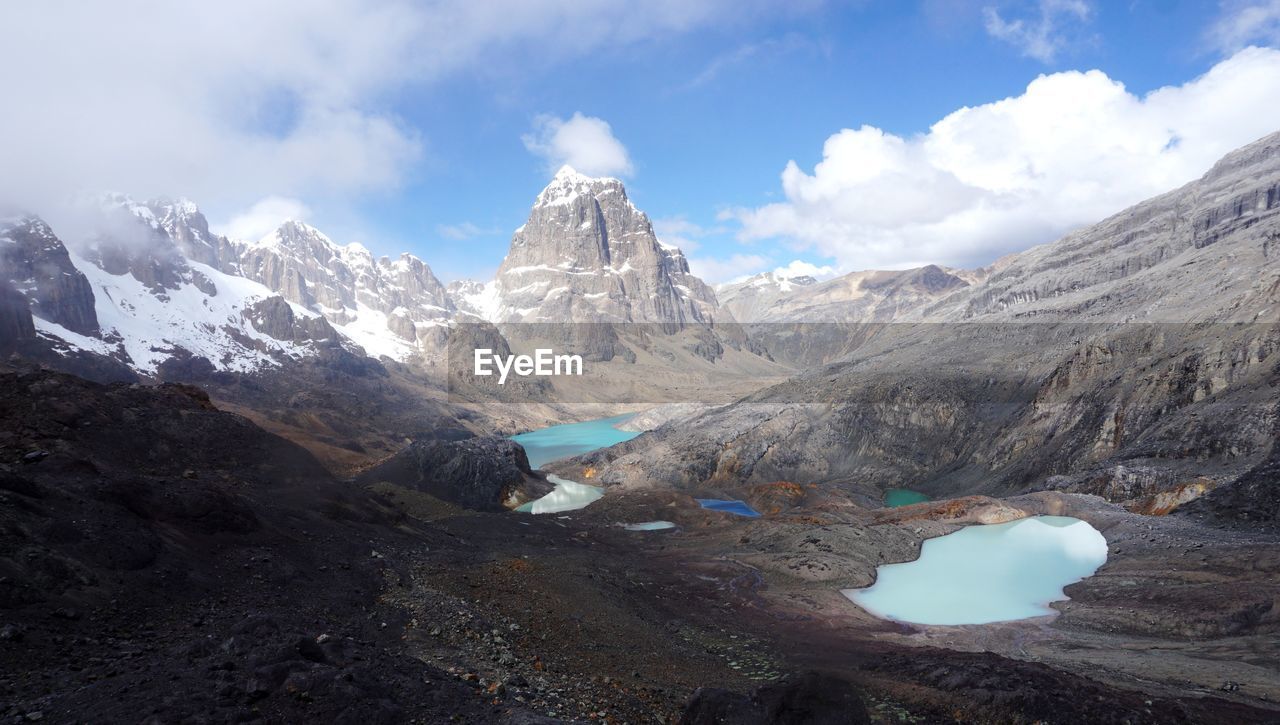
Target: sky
pixel 816 137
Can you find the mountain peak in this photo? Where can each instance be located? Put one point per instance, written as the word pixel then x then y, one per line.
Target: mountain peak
pixel 567 171
pixel 568 185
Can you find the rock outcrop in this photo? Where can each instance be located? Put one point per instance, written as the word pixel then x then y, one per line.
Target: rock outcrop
pixel 481 473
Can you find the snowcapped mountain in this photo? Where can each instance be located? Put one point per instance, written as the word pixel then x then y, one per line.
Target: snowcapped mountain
pixel 387 306
pixel 152 283
pixel 130 294
pixel 587 254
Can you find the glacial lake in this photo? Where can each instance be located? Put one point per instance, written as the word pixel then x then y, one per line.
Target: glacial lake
pixel 895 497
pixel 564 441
pixel 987 573
pixel 567 496
pixel 571 439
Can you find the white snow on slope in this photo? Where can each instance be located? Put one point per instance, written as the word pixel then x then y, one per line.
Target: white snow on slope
pixel 369 330
pixel 149 329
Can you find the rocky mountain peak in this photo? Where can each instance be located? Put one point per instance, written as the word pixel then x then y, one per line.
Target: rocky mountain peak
pixel 381 303
pixel 185 225
pixel 568 185
pixel 131 239
pixel 587 254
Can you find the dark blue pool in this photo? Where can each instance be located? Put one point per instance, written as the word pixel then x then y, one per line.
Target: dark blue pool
pixel 728 506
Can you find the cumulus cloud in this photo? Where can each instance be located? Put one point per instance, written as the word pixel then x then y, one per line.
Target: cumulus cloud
pixel 1246 23
pixel 801 268
pixel 586 143
pixel 262 218
pixel 233 103
pixel 1003 176
pixel 731 269
pixel 1044 35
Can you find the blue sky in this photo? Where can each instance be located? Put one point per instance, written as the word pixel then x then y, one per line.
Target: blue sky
pixel 379 128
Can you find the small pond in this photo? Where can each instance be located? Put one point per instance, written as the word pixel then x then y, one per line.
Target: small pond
pixel 729 506
pixel 895 497
pixel 649 526
pixel 567 496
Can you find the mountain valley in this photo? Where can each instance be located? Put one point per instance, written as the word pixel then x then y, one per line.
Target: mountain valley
pixel 257 481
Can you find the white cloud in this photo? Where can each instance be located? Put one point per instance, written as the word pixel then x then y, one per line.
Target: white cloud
pixel 1001 177
pixel 586 143
pixel 1042 37
pixel 231 103
pixel 262 218
pixel 801 268
pixel 717 271
pixel 1246 23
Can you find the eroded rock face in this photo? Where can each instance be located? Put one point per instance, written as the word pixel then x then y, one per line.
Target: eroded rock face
pixel 587 254
pixel 34 261
pixel 478 473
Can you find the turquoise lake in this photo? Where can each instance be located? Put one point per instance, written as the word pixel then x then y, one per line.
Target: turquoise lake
pixel 564 441
pixel 571 439
pixel 982 574
pixel 895 497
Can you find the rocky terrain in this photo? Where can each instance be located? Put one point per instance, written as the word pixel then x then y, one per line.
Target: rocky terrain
pixel 1133 360
pixel 244 577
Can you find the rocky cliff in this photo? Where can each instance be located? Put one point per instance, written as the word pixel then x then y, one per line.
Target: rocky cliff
pixel 34 261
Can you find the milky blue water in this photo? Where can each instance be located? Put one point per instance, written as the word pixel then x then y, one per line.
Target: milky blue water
pixel 572 439
pixel 983 574
pixel 649 526
pixel 728 506
pixel 563 441
pixel 895 497
pixel 567 496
